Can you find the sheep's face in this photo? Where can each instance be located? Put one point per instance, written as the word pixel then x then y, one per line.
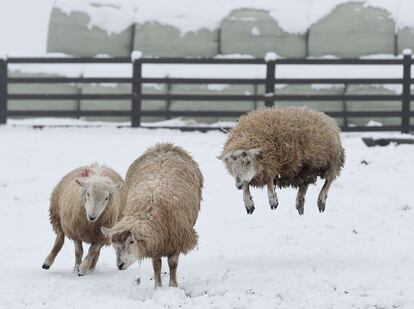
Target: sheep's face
pixel 97 196
pixel 243 165
pixel 127 247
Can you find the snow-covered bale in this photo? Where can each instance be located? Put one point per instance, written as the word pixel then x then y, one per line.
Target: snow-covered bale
pixel 163 193
pixel 353 30
pixel 211 106
pixel 405 39
pixel 83 201
pixel 372 106
pixel 156 39
pixel 284 146
pixel 75 32
pixel 122 104
pixel 322 106
pixel 39 88
pixel 255 32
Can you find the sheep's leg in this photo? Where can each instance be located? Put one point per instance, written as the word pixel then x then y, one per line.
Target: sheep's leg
pixel 95 260
pixel 324 194
pixel 156 264
pixel 60 239
pixel 271 193
pixel 87 261
pixel 173 264
pixel 78 254
pixel 300 198
pixel 248 200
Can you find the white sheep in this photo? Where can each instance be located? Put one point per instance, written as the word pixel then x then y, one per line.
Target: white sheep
pixel 162 191
pixel 284 146
pixel 83 201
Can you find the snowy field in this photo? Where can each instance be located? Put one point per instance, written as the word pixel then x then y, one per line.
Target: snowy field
pixel 358 254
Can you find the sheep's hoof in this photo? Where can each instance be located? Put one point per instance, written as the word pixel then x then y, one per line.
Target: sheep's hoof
pixel 81 273
pixel 273 204
pixel 250 210
pixel 45 266
pixel 301 211
pixel 321 206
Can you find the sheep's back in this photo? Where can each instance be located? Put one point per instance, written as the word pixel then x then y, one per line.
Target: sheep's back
pixel 165 185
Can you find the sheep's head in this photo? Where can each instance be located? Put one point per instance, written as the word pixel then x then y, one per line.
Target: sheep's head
pixel 97 192
pixel 127 245
pixel 243 165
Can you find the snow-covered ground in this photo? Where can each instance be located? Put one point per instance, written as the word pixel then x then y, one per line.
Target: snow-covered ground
pixel 358 254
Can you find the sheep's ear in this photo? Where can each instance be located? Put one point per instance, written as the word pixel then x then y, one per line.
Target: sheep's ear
pixel 106 231
pixel 116 187
pixel 121 237
pixel 255 152
pixel 81 182
pixel 224 156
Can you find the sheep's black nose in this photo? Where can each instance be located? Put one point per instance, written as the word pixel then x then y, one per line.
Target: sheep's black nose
pixel 120 266
pixel 92 218
pixel 240 185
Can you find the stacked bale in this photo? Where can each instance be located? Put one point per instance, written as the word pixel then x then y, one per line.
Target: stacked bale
pixel 323 106
pixel 155 39
pixel 71 33
pixel 255 32
pixel 370 32
pixel 122 105
pixel 41 105
pixel 405 39
pixel 372 105
pixel 195 105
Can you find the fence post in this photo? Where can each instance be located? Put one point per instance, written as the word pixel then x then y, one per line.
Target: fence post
pixel 136 93
pixel 405 118
pixel 270 83
pixel 3 91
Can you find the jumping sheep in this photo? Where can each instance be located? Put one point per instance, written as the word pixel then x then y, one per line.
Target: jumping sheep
pixel 83 201
pixel 284 146
pixel 163 193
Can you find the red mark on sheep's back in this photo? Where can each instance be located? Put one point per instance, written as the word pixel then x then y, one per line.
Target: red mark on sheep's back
pixel 85 173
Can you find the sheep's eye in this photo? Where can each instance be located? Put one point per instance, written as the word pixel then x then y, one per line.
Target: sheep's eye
pixel 131 242
pixel 244 154
pixel 107 198
pixel 87 194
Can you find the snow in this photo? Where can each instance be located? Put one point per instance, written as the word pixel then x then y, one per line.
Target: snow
pixel 358 254
pixel 271 56
pixel 255 31
pixel 136 54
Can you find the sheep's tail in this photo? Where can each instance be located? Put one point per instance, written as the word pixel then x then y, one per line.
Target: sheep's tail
pixel 54 216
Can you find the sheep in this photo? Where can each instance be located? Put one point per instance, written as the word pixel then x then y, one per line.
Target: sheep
pixel 283 146
pixel 163 191
pixel 82 202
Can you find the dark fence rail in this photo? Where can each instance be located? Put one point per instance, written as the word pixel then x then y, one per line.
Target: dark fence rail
pixel 268 81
